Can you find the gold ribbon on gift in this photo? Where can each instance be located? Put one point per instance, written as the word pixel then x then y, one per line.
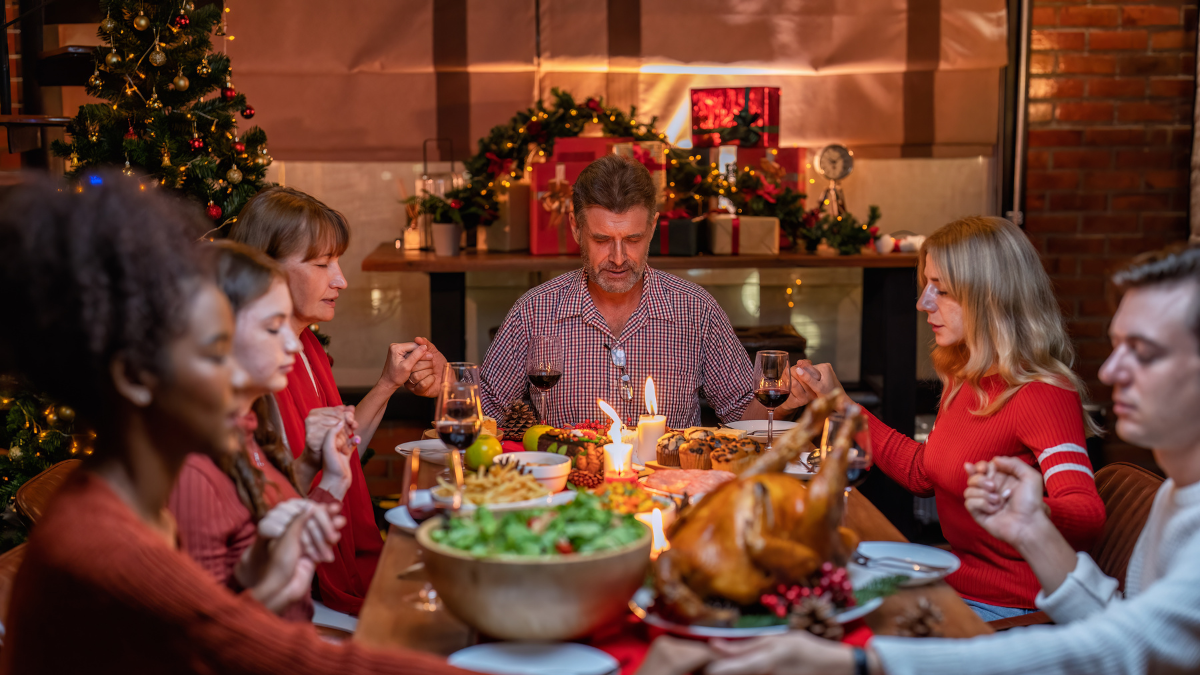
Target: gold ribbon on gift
pixel 774 171
pixel 557 201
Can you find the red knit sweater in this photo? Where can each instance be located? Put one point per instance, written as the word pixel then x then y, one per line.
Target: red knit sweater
pixel 1042 425
pixel 100 592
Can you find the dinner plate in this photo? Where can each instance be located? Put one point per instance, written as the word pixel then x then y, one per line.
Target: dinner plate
pixel 759 427
pixel 644 598
pixel 798 470
pixel 535 658
pixel 556 499
pixel 896 552
pixel 401 518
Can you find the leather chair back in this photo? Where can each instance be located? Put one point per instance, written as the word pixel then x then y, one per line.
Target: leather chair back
pixel 1128 493
pixel 35 494
pixel 10 561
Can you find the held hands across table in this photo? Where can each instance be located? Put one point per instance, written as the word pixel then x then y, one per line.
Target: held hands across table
pixel 811 381
pixel 1005 497
pixel 327 448
pixel 796 653
pixel 292 538
pixel 416 366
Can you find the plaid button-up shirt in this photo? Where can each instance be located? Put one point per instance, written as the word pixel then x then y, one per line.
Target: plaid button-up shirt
pixel 678 334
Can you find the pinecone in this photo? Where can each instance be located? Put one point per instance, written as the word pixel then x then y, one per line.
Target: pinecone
pixel 516 419
pixel 924 620
pixel 815 615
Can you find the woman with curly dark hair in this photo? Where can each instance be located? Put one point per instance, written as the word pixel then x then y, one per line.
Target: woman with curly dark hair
pixel 124 320
pixel 220 505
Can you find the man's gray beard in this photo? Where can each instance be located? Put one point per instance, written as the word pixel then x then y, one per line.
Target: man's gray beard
pixel 594 275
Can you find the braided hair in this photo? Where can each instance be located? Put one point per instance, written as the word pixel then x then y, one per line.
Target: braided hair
pixel 99 270
pixel 245 275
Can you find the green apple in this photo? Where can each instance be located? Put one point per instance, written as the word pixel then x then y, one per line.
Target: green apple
pixel 483 451
pixel 534 433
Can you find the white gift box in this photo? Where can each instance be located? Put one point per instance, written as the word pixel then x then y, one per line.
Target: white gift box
pixel 743 235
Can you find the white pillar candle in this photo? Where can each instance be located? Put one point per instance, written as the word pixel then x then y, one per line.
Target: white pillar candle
pixel 650 429
pixel 617 455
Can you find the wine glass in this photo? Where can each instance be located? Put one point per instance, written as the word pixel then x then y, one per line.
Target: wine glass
pixel 544 366
pixel 459 420
pixel 461 371
pixel 858 462
pixel 772 384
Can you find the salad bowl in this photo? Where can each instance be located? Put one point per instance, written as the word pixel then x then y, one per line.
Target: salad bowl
pixel 545 597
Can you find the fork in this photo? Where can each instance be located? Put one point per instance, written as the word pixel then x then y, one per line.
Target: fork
pixel 884 561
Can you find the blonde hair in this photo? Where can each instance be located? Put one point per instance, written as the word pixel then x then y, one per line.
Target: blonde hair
pixel 281 221
pixel 1011 320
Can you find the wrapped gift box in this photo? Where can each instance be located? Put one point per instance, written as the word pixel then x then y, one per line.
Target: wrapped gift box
pixel 743 235
pixel 550 206
pixel 510 231
pixel 581 149
pixel 679 236
pixel 790 163
pixel 649 154
pixel 744 116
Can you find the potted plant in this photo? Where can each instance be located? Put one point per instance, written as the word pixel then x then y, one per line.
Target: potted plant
pixel 447 221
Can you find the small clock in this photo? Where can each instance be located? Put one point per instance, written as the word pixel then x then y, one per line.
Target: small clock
pixel 835 162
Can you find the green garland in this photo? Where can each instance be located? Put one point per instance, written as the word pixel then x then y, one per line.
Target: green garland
pixel 503 154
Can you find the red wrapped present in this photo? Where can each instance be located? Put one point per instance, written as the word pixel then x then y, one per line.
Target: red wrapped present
pixel 580 149
pixel 782 166
pixel 650 154
pixel 744 116
pixel 550 208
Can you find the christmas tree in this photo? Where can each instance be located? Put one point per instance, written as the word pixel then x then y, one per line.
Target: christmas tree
pixel 156 70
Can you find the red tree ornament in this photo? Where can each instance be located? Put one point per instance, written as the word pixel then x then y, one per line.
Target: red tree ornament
pixel 213 210
pixel 248 112
pixel 228 93
pixel 196 143
pixel 182 21
pixel 131 135
pixel 239 147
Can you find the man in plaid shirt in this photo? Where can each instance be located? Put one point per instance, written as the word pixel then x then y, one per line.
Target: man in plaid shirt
pixel 620 321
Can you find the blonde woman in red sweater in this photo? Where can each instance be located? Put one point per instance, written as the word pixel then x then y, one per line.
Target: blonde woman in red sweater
pixel 1004 359
pixel 125 322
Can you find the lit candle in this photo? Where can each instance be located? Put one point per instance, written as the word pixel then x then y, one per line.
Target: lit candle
pixel 660 543
pixel 616 453
pixel 650 427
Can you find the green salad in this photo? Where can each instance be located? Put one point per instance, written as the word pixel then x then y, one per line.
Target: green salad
pixel 581 526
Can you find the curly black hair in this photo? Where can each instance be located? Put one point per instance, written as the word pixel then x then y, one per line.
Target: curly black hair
pixel 93 270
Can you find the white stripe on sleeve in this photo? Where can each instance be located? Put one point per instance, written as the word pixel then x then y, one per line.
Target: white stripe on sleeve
pixel 1066 467
pixel 1065 447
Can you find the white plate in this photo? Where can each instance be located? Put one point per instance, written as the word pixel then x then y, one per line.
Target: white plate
pixel 401 518
pixel 797 469
pixel 916 553
pixel 640 606
pixel 759 427
pixel 535 658
pixel 556 499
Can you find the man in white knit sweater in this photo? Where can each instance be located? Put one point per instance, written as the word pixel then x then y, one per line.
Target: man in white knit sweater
pixel 1155 373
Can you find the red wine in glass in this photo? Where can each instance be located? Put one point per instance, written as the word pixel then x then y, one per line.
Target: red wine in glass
pixel 458 434
pixel 544 379
pixel 772 398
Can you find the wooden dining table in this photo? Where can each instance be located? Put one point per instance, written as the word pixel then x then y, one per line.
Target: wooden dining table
pixel 390 617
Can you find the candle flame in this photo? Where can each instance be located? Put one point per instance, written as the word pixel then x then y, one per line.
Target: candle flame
pixel 651 399
pixel 614 432
pixel 660 542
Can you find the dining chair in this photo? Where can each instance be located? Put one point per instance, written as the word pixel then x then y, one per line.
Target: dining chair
pixel 1127 491
pixel 32 497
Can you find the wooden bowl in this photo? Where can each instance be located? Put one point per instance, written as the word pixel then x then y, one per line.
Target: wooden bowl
pixel 548 598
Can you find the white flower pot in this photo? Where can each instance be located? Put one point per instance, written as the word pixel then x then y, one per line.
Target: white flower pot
pixel 446 237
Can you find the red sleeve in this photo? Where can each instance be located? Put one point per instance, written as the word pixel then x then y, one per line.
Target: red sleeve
pixel 1050 424
pixel 900 457
pixel 208 517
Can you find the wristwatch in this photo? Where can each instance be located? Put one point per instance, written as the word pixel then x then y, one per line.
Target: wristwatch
pixel 860 661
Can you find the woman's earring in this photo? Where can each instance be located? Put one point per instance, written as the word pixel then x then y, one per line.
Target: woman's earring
pixel 142 398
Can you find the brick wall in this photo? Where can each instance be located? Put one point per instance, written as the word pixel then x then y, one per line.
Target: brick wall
pixel 1110 133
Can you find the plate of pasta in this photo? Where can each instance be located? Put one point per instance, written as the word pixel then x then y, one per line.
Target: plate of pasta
pixel 500 487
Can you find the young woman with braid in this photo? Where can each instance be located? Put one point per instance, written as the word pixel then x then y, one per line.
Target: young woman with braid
pixel 218 504
pixel 124 321
pixel 1004 359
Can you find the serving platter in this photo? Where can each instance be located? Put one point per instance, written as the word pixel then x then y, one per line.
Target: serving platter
pixel 642 601
pixel 534 658
pixel 556 499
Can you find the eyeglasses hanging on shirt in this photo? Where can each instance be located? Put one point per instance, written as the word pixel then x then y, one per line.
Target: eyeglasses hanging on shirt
pixel 618 359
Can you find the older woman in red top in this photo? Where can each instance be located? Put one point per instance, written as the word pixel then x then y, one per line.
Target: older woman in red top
pixel 126 324
pixel 1004 358
pixel 221 506
pixel 307 237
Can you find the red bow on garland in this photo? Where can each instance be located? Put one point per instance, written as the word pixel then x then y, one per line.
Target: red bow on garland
pixel 767 191
pixel 497 166
pixel 646 159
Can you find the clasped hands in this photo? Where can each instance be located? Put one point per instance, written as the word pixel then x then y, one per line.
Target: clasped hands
pixel 417 366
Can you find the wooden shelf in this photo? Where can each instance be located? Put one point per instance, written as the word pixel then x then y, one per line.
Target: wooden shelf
pixel 387 258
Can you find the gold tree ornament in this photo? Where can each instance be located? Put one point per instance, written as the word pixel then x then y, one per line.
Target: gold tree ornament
pixel 66 413
pixel 140 21
pixel 95 81
pixel 128 170
pixel 203 69
pixel 157 57
pixel 112 59
pixel 107 24
pixel 234 176
pixel 189 6
pixel 181 82
pixel 166 163
pixel 154 103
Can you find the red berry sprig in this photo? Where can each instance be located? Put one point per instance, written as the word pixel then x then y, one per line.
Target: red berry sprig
pixel 833 583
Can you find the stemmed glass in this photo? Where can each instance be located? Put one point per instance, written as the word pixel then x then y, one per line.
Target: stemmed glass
pixel 772 384
pixel 859 459
pixel 461 371
pixel 544 366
